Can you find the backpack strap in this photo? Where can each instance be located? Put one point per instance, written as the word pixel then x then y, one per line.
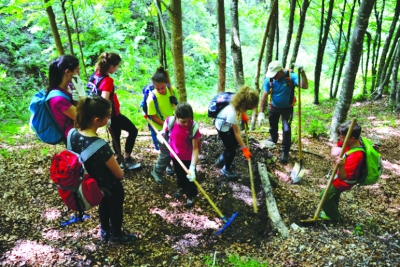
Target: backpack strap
pixel 153 96
pixel 193 129
pixel 90 150
pixel 55 93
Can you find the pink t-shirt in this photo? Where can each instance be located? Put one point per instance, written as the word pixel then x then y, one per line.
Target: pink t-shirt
pixel 59 104
pixel 180 142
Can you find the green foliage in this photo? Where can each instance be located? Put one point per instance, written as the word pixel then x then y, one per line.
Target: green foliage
pixel 234 261
pixel 358 230
pixel 44 152
pixel 4 153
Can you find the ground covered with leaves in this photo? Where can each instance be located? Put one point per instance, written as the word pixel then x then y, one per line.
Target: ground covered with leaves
pixel 171 235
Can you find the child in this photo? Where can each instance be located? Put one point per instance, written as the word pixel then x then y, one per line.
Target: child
pixel 165 102
pixel 348 169
pixel 93 113
pixel 186 148
pixel 61 72
pixel 108 63
pixel 228 130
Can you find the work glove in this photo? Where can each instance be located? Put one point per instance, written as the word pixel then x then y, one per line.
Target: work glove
pixel 192 171
pixel 108 125
pixel 261 118
pixel 75 95
pixel 78 85
pixel 246 152
pixel 161 137
pixel 245 119
pixel 173 100
pixel 298 65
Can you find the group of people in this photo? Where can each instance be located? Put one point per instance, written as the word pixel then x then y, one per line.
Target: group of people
pixel 88 114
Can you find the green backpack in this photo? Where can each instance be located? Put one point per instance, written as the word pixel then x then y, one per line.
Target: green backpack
pixel 371 168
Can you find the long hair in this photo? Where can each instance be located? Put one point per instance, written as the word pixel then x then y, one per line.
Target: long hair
pixel 245 99
pixel 89 108
pixel 58 67
pixel 106 60
pixel 161 76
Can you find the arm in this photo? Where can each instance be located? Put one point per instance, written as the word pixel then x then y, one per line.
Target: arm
pixel 195 151
pixel 157 120
pixel 105 95
pixel 112 164
pixel 71 112
pixel 342 175
pixel 264 100
pixel 237 135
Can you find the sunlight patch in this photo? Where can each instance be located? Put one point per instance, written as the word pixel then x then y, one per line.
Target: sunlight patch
pixel 394 168
pixel 243 193
pixel 187 241
pixel 51 214
pixel 282 176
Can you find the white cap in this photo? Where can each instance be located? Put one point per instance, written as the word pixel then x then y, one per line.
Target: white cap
pixel 273 68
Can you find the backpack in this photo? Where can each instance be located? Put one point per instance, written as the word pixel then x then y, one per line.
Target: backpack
pixel 219 102
pixel 42 120
pixel 292 99
pixel 94 84
pixel 77 189
pixel 371 168
pixel 193 129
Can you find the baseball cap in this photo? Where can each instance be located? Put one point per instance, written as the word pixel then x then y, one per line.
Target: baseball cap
pixel 273 68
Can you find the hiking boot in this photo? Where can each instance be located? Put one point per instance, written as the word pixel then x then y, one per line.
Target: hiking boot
pixel 229 173
pixel 104 235
pixel 272 140
pixel 190 202
pixel 131 164
pixel 123 238
pixel 178 193
pixel 284 158
pixel 169 170
pixel 322 215
pixel 220 162
pixel 157 177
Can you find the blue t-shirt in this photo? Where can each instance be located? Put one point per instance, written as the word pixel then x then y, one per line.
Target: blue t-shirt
pixel 281 91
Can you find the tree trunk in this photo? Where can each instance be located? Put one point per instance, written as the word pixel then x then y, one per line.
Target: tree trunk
pixel 346 94
pixel 53 26
pixel 237 59
pixel 177 48
pixel 273 211
pixel 376 46
pixel 321 48
pixel 303 13
pixel 271 34
pixel 289 32
pixel 369 38
pixel 221 46
pixel 79 41
pixel 71 48
pixel 395 72
pixel 383 58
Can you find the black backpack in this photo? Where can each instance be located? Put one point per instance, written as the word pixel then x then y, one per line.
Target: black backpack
pixel 94 89
pixel 218 103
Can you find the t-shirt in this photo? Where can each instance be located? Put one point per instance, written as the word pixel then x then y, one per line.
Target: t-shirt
pixel 165 107
pixel 180 141
pixel 96 164
pixel 352 168
pixel 225 118
pixel 58 105
pixel 107 85
pixel 281 92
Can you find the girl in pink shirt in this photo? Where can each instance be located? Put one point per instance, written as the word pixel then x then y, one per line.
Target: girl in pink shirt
pixel 186 148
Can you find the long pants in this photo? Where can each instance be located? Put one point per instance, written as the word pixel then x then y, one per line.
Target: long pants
pixel 230 143
pixel 111 210
pixel 331 204
pixel 287 115
pixel 119 123
pixel 163 159
pixel 189 188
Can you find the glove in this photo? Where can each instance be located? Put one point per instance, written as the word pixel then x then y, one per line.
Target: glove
pixel 78 85
pixel 261 118
pixel 160 137
pixel 298 66
pixel 108 125
pixel 245 118
pixel 173 100
pixel 75 95
pixel 192 171
pixel 246 152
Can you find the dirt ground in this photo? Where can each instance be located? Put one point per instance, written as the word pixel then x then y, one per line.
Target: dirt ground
pixel 172 235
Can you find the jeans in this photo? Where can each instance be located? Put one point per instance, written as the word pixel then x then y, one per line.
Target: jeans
pixel 119 123
pixel 111 210
pixel 230 144
pixel 287 115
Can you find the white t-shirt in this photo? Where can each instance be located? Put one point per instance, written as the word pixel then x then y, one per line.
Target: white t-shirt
pixel 225 118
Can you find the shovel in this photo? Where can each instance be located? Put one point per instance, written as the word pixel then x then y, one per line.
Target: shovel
pixel 315 218
pixel 298 171
pixel 253 191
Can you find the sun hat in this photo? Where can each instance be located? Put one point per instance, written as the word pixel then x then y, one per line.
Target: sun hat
pixel 273 68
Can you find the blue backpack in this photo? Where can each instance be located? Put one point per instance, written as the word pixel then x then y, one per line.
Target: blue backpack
pixel 42 120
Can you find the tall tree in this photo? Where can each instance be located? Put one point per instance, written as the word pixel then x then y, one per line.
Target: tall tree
pixel 377 42
pixel 64 10
pixel 323 37
pixel 221 46
pixel 271 33
pixel 237 59
pixel 289 32
pixel 346 94
pixel 175 11
pixel 54 28
pixel 395 72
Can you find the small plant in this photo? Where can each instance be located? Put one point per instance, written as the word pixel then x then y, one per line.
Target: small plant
pixel 44 151
pixel 24 151
pixel 209 261
pixel 4 153
pixel 237 261
pixel 358 230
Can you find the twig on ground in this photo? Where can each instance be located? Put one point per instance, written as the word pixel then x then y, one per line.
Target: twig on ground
pixel 215 257
pixel 172 262
pixel 308 152
pixel 370 256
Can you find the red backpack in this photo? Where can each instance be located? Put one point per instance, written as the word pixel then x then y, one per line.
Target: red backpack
pixel 78 190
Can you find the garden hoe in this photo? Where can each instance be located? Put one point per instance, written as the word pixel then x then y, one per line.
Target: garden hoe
pixel 298 171
pixel 253 191
pixel 315 218
pixel 223 218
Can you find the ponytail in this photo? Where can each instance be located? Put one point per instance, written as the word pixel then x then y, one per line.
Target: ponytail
pixel 106 60
pixel 89 108
pixel 161 76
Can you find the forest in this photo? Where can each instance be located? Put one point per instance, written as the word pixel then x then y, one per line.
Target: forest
pixel 350 54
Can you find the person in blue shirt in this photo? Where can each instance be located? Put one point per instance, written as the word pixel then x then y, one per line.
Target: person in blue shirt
pixel 280 83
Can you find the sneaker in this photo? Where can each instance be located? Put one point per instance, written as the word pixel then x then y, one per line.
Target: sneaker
pixel 230 174
pixel 190 202
pixel 272 140
pixel 123 238
pixel 157 177
pixel 169 170
pixel 220 162
pixel 178 193
pixel 284 158
pixel 104 235
pixel 322 215
pixel 131 164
